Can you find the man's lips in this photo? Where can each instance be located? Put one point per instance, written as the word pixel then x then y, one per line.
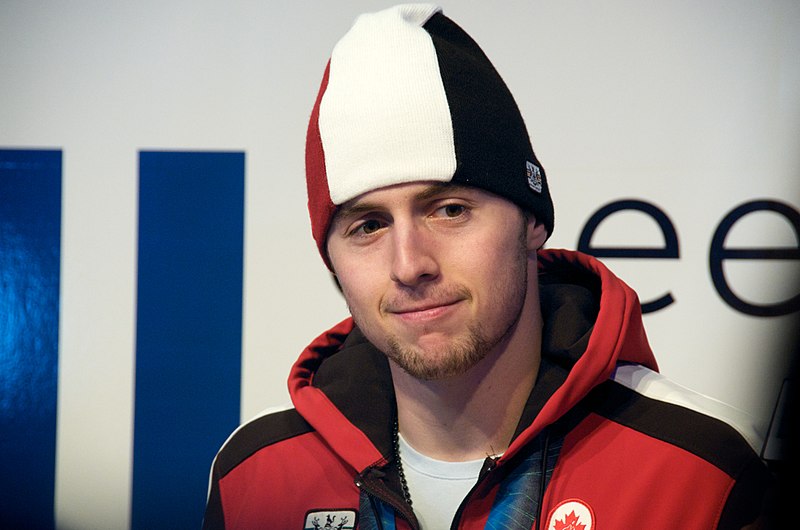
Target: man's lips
pixel 424 311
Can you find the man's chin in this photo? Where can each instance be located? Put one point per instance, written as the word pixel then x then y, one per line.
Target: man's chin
pixel 436 360
pixel 428 371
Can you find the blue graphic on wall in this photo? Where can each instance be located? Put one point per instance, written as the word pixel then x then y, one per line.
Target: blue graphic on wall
pixel 188 329
pixel 30 254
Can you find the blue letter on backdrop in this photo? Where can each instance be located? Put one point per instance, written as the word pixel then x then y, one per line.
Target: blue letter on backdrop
pixel 668 251
pixel 30 255
pixel 719 253
pixel 188 329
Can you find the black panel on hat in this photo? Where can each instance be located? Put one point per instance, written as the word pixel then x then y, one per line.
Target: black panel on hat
pixel 492 145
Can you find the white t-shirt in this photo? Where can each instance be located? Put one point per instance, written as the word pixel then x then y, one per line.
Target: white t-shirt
pixel 436 487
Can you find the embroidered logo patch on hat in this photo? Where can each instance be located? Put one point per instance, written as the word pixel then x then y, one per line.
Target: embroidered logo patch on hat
pixel 331 520
pixel 534 176
pixel 571 514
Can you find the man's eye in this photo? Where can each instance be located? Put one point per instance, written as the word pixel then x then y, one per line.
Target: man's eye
pixel 453 210
pixel 368 227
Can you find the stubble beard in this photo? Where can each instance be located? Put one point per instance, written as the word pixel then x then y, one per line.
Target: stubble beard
pixel 459 356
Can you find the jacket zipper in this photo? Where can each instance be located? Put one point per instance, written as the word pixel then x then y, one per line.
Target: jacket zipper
pixel 363 483
pixel 542 478
pixel 488 466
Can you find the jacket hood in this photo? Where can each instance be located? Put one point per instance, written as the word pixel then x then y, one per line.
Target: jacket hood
pixel 341 384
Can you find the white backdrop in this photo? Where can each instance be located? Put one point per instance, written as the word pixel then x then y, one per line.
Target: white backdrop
pixel 693 106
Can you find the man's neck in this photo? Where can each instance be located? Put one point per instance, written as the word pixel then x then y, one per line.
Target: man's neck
pixel 475 414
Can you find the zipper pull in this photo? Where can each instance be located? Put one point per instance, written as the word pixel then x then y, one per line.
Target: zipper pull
pixel 488 465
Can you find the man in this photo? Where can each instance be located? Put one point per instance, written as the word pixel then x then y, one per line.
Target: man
pixel 482 382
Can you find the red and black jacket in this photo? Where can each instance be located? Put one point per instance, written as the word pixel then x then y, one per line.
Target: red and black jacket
pixel 604 440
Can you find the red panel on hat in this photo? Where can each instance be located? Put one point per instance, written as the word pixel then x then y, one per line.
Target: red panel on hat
pixel 320 206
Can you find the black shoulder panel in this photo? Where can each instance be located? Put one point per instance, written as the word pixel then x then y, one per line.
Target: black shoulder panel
pixel 709 438
pixel 257 434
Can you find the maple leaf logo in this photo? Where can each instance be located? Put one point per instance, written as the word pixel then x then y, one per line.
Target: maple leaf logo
pixel 570 522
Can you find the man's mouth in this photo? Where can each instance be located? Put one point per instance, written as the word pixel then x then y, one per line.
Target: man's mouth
pixel 424 311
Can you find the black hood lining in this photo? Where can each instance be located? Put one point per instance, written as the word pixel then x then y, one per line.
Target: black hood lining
pixel 569 311
pixel 358 381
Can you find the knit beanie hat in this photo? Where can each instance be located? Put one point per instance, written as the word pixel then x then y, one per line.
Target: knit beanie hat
pixel 408 96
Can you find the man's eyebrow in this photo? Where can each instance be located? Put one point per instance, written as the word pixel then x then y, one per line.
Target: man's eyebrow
pixel 356 207
pixel 437 188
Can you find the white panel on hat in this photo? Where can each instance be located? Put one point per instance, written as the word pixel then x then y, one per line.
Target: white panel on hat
pixel 384 117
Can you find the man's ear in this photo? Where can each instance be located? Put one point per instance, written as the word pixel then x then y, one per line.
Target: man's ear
pixel 536 234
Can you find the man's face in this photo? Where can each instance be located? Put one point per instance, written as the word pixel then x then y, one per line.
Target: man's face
pixel 434 275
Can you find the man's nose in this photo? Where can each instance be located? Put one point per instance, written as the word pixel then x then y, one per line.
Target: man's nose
pixel 414 258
